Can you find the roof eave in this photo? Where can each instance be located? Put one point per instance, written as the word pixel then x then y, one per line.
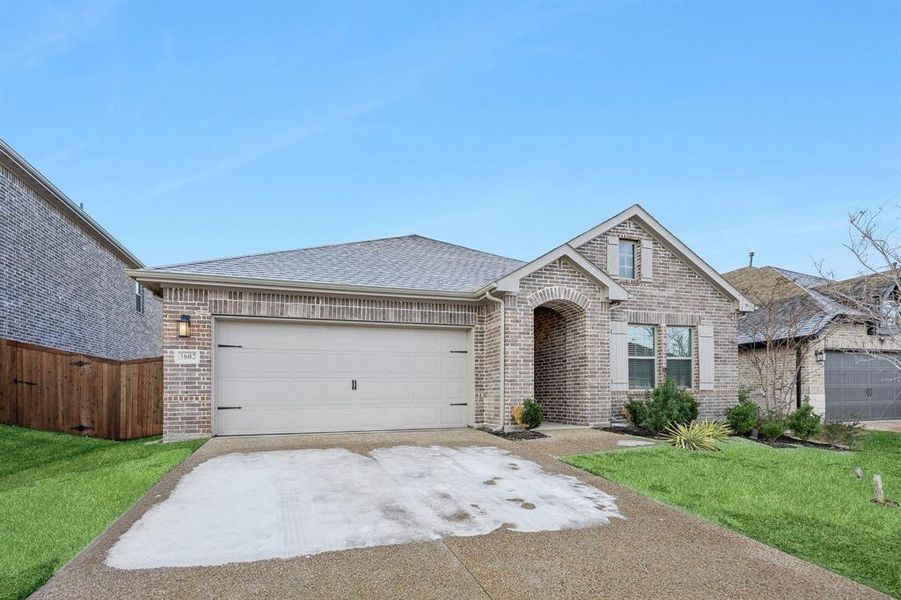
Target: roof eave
pixel 66 205
pixel 156 280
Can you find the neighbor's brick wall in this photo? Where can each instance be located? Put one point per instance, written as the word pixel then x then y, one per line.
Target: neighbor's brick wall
pixel 779 369
pixel 676 296
pixel 61 288
pixel 188 390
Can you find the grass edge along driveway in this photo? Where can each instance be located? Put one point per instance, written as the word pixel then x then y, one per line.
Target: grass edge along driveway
pixel 804 501
pixel 58 492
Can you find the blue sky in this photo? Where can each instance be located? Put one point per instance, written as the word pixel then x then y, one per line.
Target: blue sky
pixel 214 129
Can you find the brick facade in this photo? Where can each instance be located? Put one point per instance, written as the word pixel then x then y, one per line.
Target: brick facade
pixel 678 295
pixel 60 287
pixel 556 346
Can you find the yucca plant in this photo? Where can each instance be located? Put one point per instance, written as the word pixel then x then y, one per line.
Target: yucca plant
pixel 697 435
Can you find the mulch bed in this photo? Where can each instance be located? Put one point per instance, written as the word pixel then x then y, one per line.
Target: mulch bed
pixel 787 441
pixel 519 435
pixel 629 430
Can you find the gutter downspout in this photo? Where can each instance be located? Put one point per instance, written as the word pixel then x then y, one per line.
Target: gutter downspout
pixel 503 308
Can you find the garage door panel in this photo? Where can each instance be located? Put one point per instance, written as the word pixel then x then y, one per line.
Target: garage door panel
pixel 281 391
pixel 861 386
pixel 297 377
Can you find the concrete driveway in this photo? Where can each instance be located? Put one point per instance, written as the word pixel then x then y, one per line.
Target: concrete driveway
pixel 653 551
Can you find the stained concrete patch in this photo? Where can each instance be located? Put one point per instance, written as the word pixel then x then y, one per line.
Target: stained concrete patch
pixel 264 505
pixel 633 443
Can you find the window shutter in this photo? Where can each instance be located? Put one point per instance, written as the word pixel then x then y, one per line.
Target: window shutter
pixel 647 260
pixel 613 255
pixel 705 357
pixel 619 356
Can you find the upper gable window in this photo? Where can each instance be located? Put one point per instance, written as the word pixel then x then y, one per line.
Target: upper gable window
pixel 627 259
pixel 139 297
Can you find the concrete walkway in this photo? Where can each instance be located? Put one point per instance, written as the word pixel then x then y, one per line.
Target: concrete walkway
pixel 883 425
pixel 655 551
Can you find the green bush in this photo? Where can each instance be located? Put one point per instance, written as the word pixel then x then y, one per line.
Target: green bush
pixel 528 415
pixel 744 416
pixel 772 427
pixel 697 435
pixel 634 412
pixel 804 422
pixel 666 404
pixel 849 434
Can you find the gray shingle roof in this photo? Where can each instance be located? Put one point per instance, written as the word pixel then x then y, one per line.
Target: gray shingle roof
pixel 410 262
pixel 804 313
pixel 805 280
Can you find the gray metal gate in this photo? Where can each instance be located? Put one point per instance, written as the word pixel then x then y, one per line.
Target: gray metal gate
pixel 861 386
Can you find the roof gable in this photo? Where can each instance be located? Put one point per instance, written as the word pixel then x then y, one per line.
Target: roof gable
pixel 673 244
pixel 510 282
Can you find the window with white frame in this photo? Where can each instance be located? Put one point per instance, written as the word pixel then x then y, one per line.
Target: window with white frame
pixel 642 357
pixel 139 297
pixel 627 259
pixel 678 355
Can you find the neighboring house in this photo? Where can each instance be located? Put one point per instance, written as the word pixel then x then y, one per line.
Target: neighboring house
pixel 410 332
pixel 63 282
pixel 834 353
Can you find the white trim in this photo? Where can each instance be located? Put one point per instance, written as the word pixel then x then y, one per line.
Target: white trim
pixel 510 283
pixel 673 244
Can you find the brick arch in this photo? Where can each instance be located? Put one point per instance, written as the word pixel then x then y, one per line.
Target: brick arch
pixel 559 352
pixel 564 300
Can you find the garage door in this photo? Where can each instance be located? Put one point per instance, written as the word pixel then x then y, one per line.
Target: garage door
pixel 862 387
pixel 276 377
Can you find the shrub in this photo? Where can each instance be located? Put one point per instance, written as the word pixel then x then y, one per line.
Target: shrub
pixel 744 416
pixel 844 434
pixel 772 427
pixel 698 435
pixel 634 412
pixel 804 422
pixel 664 405
pixel 528 415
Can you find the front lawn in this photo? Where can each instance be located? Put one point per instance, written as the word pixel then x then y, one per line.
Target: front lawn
pixel 58 492
pixel 805 501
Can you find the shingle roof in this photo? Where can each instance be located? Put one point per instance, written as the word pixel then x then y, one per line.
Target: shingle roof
pixel 409 262
pixel 791 304
pixel 805 280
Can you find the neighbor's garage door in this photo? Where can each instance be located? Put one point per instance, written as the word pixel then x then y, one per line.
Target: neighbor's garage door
pixel 277 377
pixel 863 387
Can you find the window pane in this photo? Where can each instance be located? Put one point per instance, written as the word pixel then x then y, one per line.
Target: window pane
pixel 678 342
pixel 641 341
pixel 627 259
pixel 680 371
pixel 641 373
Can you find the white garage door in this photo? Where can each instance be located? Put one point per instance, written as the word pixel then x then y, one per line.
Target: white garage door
pixel 277 377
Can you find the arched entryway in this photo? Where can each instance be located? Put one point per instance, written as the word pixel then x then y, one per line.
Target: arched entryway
pixel 560 357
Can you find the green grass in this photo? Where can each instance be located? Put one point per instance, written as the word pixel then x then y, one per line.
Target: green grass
pixel 804 501
pixel 59 491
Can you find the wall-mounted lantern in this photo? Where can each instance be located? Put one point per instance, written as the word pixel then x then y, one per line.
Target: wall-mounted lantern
pixel 184 326
pixel 820 356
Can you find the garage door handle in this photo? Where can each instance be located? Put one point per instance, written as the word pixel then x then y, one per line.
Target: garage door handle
pixel 459 403
pixel 353 384
pixel 228 408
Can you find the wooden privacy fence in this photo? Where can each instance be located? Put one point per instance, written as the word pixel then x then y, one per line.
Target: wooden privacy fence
pixel 75 393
